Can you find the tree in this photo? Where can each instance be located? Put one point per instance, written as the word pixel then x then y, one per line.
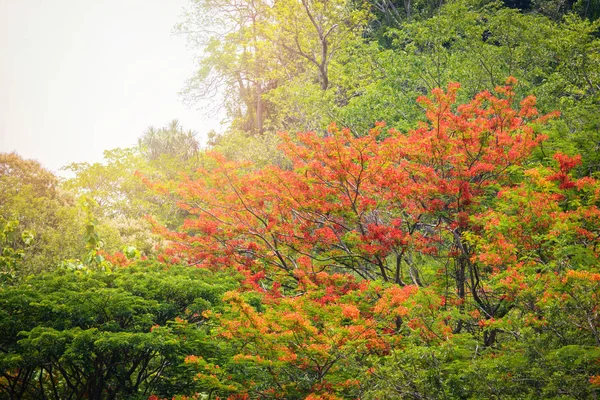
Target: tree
pixel 40 211
pixel 98 335
pixel 11 257
pixel 433 217
pixel 250 49
pixel 237 60
pixel 480 46
pixel 171 141
pixel 343 191
pixel 316 30
pixel 121 199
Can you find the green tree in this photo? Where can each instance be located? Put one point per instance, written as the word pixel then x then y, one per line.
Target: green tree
pixel 33 200
pixel 249 49
pixel 98 335
pixel 10 257
pixel 120 197
pixel 170 141
pixel 237 58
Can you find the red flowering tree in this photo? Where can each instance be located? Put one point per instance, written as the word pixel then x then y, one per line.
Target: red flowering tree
pixel 448 218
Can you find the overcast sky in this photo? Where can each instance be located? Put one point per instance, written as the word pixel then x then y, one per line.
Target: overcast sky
pixel 78 77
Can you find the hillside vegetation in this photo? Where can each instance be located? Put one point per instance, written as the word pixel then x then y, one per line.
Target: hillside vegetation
pixel 405 205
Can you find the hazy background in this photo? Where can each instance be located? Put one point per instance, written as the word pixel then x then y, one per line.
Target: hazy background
pixel 78 77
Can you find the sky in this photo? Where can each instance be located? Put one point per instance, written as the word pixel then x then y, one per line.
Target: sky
pixel 78 77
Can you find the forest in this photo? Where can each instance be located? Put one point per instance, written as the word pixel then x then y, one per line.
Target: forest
pixel 405 205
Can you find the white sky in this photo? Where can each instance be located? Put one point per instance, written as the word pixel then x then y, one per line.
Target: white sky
pixel 78 77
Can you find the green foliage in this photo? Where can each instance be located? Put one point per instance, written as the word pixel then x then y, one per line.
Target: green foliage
pixel 261 150
pixel 119 199
pixel 480 46
pixel 171 141
pixel 11 258
pixel 32 203
pixel 263 57
pixel 386 54
pixel 95 334
pixel 523 369
pixel 440 267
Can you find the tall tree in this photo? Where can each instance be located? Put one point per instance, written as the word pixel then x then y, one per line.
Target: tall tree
pixel 236 60
pixel 250 48
pixel 169 141
pixel 404 239
pixel 33 200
